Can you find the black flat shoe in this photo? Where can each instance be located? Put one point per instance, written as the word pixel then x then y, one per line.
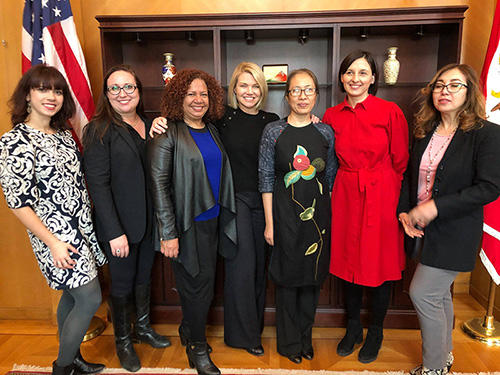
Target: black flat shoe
pixel 257 351
pixel 371 347
pixel 353 335
pixel 309 354
pixel 295 358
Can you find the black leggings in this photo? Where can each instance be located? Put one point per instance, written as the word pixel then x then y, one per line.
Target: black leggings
pixel 379 301
pixel 133 270
pixel 76 308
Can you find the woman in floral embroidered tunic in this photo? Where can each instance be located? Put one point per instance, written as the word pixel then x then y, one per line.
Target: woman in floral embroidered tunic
pixel 297 166
pixel 43 184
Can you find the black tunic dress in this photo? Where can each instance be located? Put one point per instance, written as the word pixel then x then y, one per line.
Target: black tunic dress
pixel 303 173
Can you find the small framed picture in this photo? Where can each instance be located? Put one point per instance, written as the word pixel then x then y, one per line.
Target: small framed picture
pixel 275 74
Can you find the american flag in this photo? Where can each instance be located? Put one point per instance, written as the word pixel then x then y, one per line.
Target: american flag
pixel 49 36
pixel 490 76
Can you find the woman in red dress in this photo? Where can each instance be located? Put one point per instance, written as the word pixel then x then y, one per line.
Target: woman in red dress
pixel 371 142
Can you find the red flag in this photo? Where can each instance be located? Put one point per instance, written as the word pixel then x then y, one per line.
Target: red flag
pixel 490 76
pixel 49 36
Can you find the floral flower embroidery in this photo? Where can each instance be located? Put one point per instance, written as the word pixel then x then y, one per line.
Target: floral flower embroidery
pixel 307 170
pixel 303 167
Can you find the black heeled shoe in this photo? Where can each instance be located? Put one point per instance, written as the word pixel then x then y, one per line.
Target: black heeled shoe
pixel 120 307
pixel 62 370
pixel 142 327
pixel 184 336
pixel 84 367
pixel 257 351
pixel 199 358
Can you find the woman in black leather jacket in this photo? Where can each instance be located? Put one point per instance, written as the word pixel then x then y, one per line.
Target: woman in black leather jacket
pixel 194 203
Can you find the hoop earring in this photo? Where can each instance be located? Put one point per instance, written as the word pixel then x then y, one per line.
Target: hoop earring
pixel 28 107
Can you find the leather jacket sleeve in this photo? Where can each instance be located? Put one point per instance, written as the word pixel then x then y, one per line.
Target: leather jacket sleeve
pixel 161 151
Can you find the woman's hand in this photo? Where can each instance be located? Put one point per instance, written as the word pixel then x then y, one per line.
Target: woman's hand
pixel 170 248
pixel 61 255
pixel 269 235
pixel 159 126
pixel 119 246
pixel 423 214
pixel 410 229
pixel 315 119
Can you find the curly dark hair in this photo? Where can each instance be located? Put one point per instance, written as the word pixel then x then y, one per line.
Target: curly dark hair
pixel 469 116
pixel 42 76
pixel 175 92
pixel 105 116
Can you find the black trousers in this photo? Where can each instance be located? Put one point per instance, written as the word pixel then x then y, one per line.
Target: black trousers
pixel 133 270
pixel 245 276
pixel 295 311
pixel 379 301
pixel 196 293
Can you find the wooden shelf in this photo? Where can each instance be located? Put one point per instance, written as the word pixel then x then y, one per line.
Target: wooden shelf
pixel 427 38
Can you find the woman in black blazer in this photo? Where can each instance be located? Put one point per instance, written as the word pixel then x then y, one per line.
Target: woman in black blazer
pixel 115 168
pixel 453 172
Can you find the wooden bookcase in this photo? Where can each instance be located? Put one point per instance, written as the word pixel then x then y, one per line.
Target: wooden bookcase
pixel 427 38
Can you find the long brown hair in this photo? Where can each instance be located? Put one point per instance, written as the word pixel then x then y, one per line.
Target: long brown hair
pixel 41 76
pixel 105 116
pixel 469 115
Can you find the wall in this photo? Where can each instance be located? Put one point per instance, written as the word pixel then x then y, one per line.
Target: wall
pixel 27 295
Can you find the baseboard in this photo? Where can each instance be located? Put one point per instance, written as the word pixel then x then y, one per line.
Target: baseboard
pixel 16 313
pixel 483 299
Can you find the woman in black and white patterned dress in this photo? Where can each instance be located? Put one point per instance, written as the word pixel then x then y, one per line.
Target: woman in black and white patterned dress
pixel 43 184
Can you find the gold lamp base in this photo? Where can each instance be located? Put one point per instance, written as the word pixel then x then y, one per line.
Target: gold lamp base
pixel 485 329
pixel 96 327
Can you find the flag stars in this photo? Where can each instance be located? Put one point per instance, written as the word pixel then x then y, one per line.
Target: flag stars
pixel 42 58
pixel 57 12
pixel 44 3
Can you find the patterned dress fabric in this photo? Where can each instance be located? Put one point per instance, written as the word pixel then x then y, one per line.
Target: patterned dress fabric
pixel 43 171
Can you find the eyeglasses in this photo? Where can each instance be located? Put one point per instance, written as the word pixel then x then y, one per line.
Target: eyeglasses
pixel 128 88
pixel 452 87
pixel 309 91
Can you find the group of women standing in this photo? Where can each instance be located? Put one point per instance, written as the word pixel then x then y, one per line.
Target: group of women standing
pixel 226 180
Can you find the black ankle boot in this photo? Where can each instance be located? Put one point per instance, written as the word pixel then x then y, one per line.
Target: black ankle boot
pixel 62 370
pixel 369 351
pixel 84 367
pixel 184 336
pixel 198 357
pixel 143 330
pixel 120 307
pixel 353 335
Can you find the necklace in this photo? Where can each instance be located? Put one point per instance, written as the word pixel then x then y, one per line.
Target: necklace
pixel 432 158
pixel 136 121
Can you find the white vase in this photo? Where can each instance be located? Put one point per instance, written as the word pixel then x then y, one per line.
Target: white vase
pixel 391 66
pixel 168 69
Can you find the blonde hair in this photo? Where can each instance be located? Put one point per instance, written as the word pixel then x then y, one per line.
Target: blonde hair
pixel 470 114
pixel 257 74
